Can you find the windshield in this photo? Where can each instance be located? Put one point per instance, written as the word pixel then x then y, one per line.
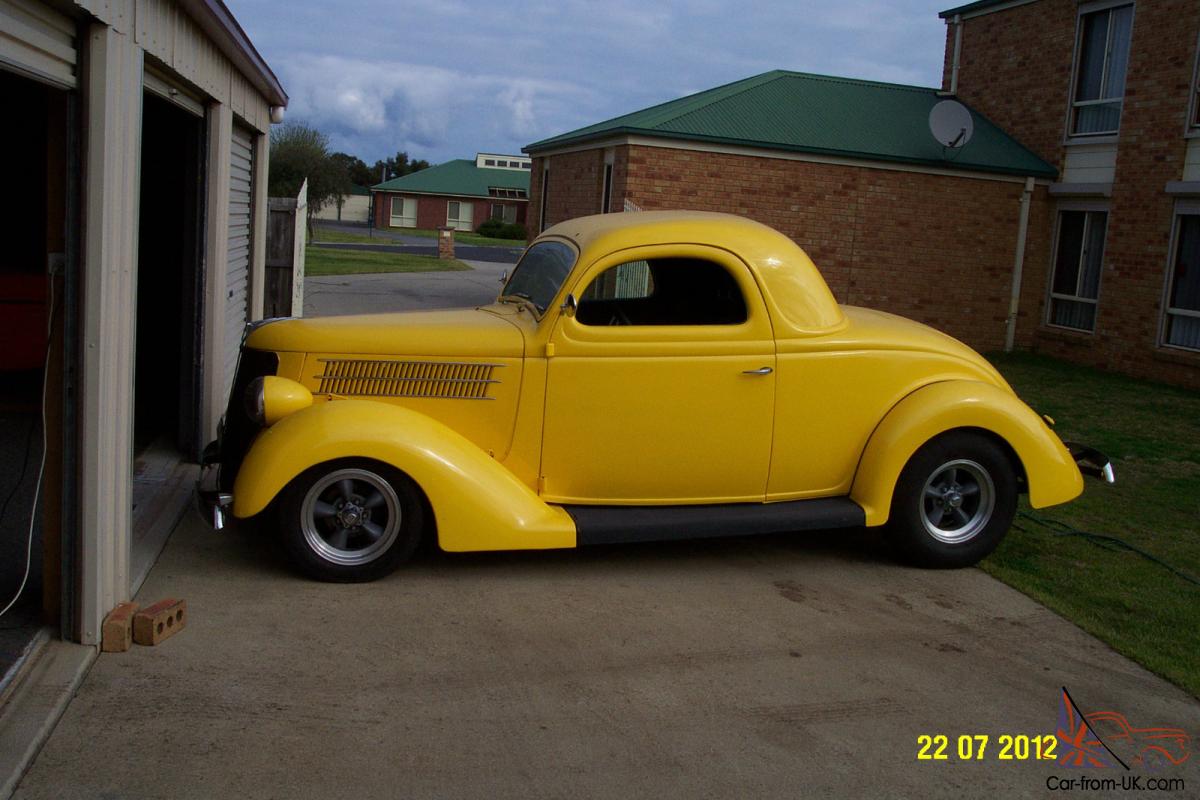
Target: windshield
pixel 540 274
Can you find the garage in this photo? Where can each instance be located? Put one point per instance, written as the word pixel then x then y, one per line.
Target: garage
pixel 135 259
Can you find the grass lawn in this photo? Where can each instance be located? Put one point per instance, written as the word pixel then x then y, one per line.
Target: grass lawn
pixel 323 234
pixel 1151 433
pixel 326 261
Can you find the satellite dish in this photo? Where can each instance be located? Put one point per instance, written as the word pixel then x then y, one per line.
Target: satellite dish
pixel 951 124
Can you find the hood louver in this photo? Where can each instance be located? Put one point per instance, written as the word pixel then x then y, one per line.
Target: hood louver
pixel 450 380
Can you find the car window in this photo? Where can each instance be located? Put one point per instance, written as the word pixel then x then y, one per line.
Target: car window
pixel 539 274
pixel 663 291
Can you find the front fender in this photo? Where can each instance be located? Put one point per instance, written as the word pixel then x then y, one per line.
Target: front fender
pixel 1049 468
pixel 478 504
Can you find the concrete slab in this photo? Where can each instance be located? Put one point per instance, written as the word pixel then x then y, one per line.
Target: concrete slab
pixel 783 666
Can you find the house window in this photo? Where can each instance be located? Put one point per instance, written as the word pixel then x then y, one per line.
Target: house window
pixel 525 165
pixel 1078 258
pixel 489 162
pixel 1182 324
pixel 458 215
pixel 404 212
pixel 606 192
pixel 504 213
pixel 544 199
pixel 1102 59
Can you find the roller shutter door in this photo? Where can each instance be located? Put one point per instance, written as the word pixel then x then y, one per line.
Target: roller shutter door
pixel 37 41
pixel 241 170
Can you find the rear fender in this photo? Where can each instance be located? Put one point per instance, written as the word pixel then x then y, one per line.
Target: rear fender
pixel 478 504
pixel 1049 468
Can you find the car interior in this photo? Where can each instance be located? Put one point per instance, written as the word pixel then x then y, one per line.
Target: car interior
pixel 664 291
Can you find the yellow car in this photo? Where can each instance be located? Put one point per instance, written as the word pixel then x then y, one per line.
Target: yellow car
pixel 641 376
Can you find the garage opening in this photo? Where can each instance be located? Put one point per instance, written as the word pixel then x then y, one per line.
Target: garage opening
pixel 166 396
pixel 32 260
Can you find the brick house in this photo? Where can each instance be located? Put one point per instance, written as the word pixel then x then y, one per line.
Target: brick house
pixel 462 194
pixel 846 168
pixel 967 240
pixel 1107 93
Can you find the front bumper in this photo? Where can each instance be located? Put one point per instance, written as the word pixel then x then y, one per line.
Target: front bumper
pixel 213 504
pixel 1091 461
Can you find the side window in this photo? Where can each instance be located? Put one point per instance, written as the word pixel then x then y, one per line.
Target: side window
pixel 663 291
pixel 1102 56
pixel 1075 281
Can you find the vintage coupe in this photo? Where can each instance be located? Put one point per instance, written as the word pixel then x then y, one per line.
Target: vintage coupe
pixel 641 376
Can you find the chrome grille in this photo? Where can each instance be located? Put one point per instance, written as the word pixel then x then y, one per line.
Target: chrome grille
pixel 451 380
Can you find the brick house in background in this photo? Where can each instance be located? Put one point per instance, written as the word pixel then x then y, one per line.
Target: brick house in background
pixel 1104 94
pixel 1107 93
pixel 462 194
pixel 847 168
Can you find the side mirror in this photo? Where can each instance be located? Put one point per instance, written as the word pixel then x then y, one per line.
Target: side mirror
pixel 504 277
pixel 569 306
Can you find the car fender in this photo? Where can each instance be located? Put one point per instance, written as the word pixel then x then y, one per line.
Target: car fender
pixel 478 504
pixel 1050 471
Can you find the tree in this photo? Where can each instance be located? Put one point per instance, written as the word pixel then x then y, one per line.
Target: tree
pixel 300 152
pixel 397 167
pixel 356 169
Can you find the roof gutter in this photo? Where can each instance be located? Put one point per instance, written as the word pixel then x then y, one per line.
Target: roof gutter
pixel 217 21
pixel 1014 302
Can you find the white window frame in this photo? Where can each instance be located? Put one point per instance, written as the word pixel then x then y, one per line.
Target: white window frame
pixel 460 223
pixel 1183 208
pixel 1072 104
pixel 402 220
pixel 1052 295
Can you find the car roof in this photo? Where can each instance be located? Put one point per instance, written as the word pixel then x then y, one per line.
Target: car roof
pixel 795 292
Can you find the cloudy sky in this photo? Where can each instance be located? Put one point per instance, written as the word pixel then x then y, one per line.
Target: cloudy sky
pixel 444 79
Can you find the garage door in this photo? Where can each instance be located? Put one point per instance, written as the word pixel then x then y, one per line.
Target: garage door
pixel 38 42
pixel 237 303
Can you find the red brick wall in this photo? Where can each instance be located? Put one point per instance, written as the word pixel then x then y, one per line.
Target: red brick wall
pixel 933 248
pixel 431 210
pixel 1016 69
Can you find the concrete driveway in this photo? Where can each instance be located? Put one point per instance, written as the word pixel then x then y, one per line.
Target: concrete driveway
pixel 403 291
pixel 784 666
pixel 781 666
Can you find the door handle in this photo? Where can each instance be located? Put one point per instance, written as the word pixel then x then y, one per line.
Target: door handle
pixel 759 371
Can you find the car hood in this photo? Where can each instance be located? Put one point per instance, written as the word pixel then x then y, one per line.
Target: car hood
pixel 459 333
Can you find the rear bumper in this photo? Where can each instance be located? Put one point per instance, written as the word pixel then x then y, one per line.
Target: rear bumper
pixel 1091 461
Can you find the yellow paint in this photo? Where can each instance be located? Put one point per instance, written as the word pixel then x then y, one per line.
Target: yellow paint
pixel 940 407
pixel 281 397
pixel 648 415
pixel 477 503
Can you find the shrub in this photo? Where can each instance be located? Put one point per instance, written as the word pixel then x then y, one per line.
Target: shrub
pixel 498 229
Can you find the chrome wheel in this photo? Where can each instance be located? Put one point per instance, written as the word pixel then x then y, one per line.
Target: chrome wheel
pixel 350 517
pixel 957 501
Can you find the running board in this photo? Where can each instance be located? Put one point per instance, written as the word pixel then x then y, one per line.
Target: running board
pixel 622 524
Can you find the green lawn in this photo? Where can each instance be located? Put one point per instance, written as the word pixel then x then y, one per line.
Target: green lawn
pixel 326 261
pixel 1151 433
pixel 323 234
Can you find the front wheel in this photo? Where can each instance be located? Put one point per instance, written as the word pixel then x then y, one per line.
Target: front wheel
pixel 351 521
pixel 954 501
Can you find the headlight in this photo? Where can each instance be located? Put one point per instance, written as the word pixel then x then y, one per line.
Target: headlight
pixel 271 398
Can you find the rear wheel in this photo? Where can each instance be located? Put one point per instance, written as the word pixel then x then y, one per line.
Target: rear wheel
pixel 954 501
pixel 351 521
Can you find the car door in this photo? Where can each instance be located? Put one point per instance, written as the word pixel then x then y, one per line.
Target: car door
pixel 661 383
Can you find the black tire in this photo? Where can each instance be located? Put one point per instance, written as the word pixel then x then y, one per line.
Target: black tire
pixel 954 501
pixel 351 521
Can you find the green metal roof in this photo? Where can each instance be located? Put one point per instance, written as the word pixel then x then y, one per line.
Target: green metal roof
pixel 356 189
pixel 818 114
pixel 459 177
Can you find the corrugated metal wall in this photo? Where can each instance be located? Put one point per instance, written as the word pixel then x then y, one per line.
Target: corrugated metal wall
pixel 237 271
pixel 38 41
